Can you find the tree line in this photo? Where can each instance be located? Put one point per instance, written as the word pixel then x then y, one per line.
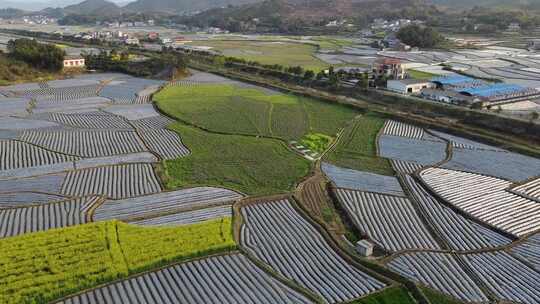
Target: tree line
pixel 39 55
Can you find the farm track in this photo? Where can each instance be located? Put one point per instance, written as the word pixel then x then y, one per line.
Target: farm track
pixel 230 279
pixel 276 234
pixel 17 221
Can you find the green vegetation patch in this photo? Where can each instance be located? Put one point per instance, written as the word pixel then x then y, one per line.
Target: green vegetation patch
pixel 269 52
pixel 316 142
pixel 420 75
pixel 436 297
pixel 230 109
pixel 255 166
pixel 43 266
pixel 393 295
pixel 357 147
pixel 14 71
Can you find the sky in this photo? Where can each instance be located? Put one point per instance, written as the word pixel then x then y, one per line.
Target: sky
pixel 35 5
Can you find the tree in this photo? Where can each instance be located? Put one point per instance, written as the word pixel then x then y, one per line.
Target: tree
pixel 420 36
pixel 41 56
pixel 309 75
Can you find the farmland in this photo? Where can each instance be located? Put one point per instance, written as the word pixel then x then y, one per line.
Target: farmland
pixel 269 52
pixel 254 166
pixel 232 109
pixel 212 198
pixel 35 270
pixel 357 147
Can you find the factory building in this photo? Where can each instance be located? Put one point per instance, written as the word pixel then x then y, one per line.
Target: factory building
pixel 409 86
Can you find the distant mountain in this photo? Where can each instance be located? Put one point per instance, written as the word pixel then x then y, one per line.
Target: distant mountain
pixel 289 15
pixel 467 4
pixel 11 12
pixel 93 7
pixel 170 6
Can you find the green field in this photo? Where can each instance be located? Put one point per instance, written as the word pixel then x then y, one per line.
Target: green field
pixel 43 266
pixel 357 147
pixel 436 297
pixel 269 52
pixel 420 75
pixel 230 109
pixel 254 166
pixel 393 295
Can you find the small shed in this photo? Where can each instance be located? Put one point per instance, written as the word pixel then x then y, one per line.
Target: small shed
pixel 364 248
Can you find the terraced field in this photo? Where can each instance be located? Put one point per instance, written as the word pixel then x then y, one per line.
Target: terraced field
pixel 94 148
pixel 275 233
pixel 459 232
pixel 362 181
pixel 116 182
pixel 441 272
pixel 222 279
pixel 485 198
pixel 389 221
pixel 86 143
pixel 165 203
pixel 23 220
pixel 506 277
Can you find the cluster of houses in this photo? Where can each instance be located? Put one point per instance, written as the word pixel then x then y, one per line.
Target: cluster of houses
pixel 463 90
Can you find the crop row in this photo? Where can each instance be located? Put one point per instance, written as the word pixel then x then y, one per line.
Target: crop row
pixel 506 277
pixel 48 216
pixel 276 234
pixel 16 155
pixel 92 120
pixel 423 152
pixel 187 217
pixel 59 94
pixel 530 251
pixel 164 202
pixel 396 128
pixel 116 182
pixel 404 167
pixel 506 165
pixel 530 189
pixel 86 143
pixel 485 198
pixel 362 181
pixel 167 144
pixel 439 271
pixel 157 122
pixel 392 222
pixel 460 232
pixel 223 279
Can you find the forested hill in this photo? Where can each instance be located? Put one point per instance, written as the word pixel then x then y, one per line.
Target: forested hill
pixel 171 6
pixel 467 4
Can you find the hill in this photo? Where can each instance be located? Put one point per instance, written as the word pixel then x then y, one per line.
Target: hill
pixel 295 15
pixel 93 7
pixel 180 6
pixel 466 4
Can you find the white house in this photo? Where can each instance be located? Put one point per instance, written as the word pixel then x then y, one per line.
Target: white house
pixel 74 62
pixel 364 248
pixel 409 86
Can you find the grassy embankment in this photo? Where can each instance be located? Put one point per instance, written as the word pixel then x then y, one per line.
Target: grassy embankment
pixel 357 147
pixel 249 154
pixel 43 266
